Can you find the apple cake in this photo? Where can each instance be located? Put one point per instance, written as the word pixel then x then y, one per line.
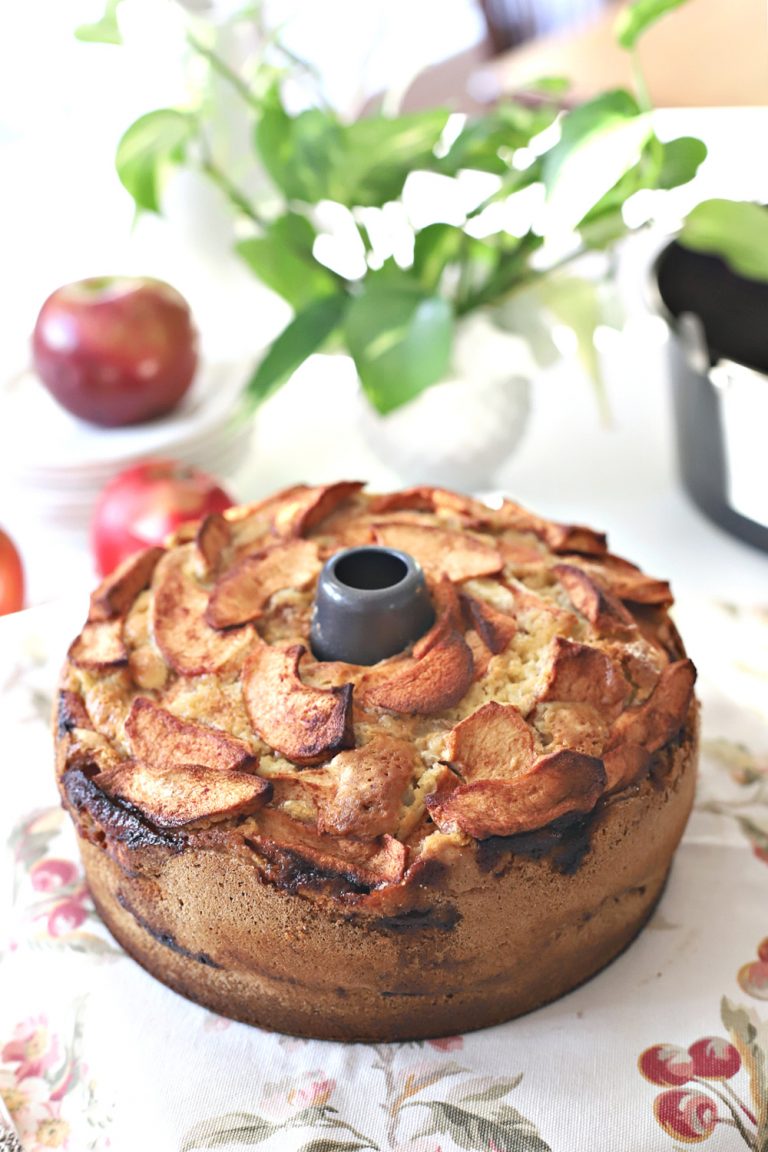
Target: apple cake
pixel 433 843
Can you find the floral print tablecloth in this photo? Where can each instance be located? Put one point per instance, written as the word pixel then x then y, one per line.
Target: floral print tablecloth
pixel 665 1048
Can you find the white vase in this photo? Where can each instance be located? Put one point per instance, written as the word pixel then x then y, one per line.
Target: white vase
pixel 459 432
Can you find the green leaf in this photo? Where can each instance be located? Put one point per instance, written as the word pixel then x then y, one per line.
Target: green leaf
pixel 601 140
pixel 301 153
pixel 439 247
pixel 549 85
pixel 328 1144
pixel 504 1126
pixel 680 161
pixel 735 230
pixel 303 336
pixel 435 247
pixel 487 142
pixel 282 259
pixel 495 1091
pixel 145 150
pixel 401 342
pixel 380 152
pixel 231 1128
pixel 105 30
pixel 637 18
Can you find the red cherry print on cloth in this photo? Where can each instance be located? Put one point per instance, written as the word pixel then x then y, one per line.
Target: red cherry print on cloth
pixel 714 1058
pixel 49 875
pixel 66 917
pixel 666 1064
pixel 687 1116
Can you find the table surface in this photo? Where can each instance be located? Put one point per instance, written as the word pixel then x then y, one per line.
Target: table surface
pixel 94 1054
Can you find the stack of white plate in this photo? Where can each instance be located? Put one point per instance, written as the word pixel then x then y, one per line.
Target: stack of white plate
pixel 53 466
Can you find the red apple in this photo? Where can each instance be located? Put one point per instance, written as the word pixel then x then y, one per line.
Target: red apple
pixel 144 504
pixel 11 576
pixel 115 350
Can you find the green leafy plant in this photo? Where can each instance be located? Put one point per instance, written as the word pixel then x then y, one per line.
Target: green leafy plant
pixel 539 183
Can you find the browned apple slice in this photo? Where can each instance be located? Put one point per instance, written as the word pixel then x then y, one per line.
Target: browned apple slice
pixel 304 856
pixel 100 646
pixel 304 509
pixel 517 555
pixel 304 724
pixel 117 592
pixel 427 499
pixel 580 727
pixel 243 592
pixel 441 552
pixel 601 608
pixel 185 793
pixel 159 737
pixel 481 655
pixel 558 537
pixel 361 791
pixel 639 732
pixel 584 675
pixel 494 742
pixel 186 640
pixel 434 678
pixel 495 629
pixel 626 581
pixel 562 783
pixel 71 712
pixel 211 541
pixel 533 611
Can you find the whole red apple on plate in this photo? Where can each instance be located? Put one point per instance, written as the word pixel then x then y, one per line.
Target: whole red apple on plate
pixel 11 576
pixel 116 350
pixel 142 505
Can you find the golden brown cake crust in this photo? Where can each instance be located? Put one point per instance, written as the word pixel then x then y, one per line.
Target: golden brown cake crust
pixel 464 831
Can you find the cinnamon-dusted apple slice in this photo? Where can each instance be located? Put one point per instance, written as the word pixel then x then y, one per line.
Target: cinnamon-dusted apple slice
pixel 539 614
pixel 434 678
pixel 185 793
pixel 243 592
pixel 441 552
pixel 186 640
pixel 601 608
pixel 212 539
pixel 100 646
pixel 626 581
pixel 496 629
pixel 557 537
pixel 481 655
pixel 360 791
pixel 304 509
pixel 428 499
pixel 493 743
pixel 518 555
pixel 306 856
pixel 117 592
pixel 303 724
pixel 560 784
pixel 639 732
pixel 158 736
pixel 584 675
pixel 71 712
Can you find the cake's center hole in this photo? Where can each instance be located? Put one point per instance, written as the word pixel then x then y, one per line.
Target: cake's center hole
pixel 370 568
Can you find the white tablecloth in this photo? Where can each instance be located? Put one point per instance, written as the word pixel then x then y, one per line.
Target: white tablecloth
pixel 96 1055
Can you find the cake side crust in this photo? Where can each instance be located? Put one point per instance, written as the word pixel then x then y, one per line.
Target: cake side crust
pixel 500 941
